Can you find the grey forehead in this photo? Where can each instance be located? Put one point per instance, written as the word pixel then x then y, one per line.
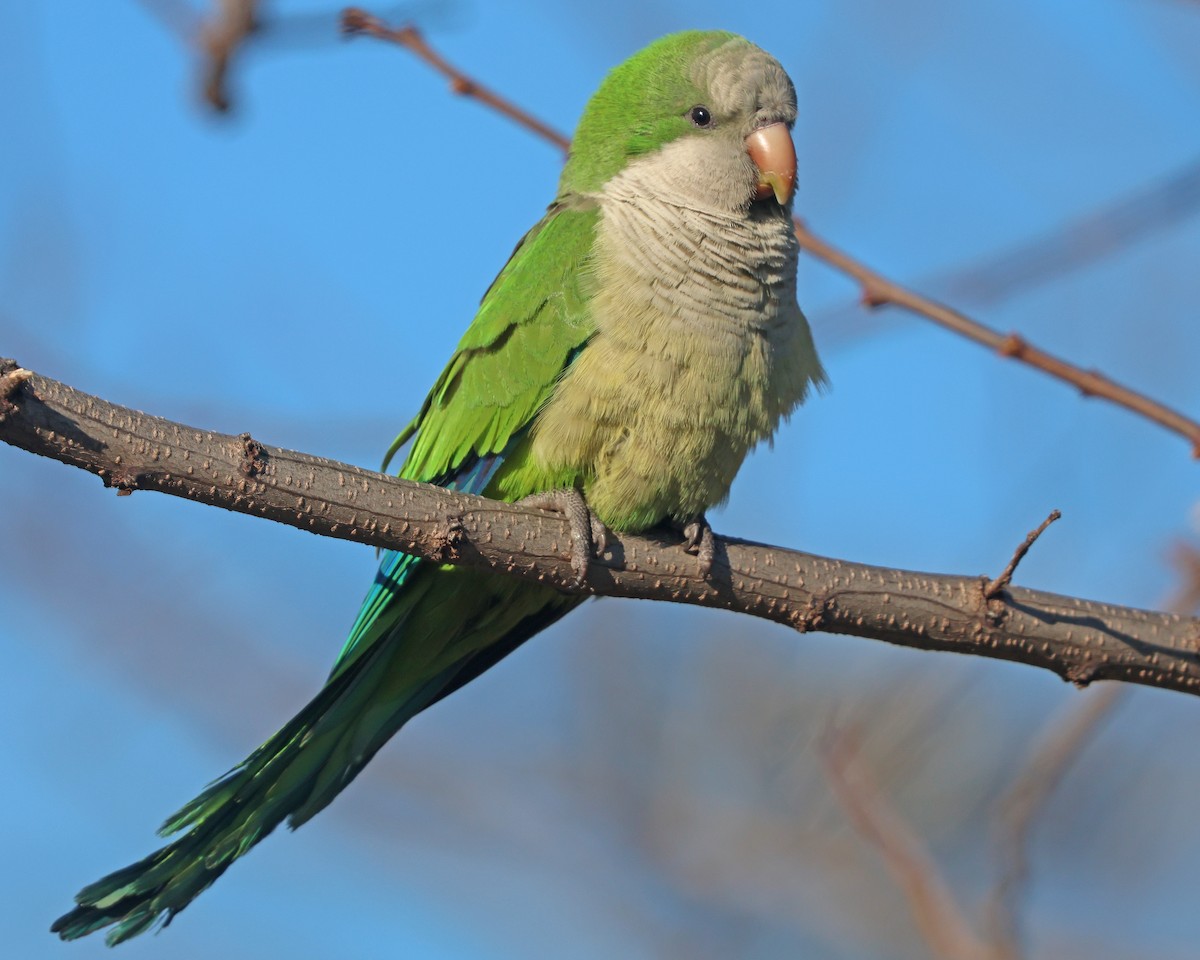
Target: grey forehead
pixel 741 77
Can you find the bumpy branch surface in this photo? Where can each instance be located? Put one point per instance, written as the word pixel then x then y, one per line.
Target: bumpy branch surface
pixel 1079 640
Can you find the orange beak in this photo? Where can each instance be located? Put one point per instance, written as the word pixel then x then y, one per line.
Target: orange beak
pixel 772 151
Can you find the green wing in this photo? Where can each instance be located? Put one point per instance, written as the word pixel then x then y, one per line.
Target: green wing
pixel 533 320
pixel 530 324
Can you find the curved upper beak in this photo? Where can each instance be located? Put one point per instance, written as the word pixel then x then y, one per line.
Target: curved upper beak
pixel 772 151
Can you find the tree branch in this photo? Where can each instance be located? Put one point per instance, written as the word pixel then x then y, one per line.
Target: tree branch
pixel 357 22
pixel 878 290
pixel 1079 640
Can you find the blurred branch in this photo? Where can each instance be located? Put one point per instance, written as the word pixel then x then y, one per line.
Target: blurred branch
pixel 940 918
pixel 1186 559
pixel 877 290
pixel 1119 224
pixel 1064 739
pixel 221 38
pixel 1079 640
pixel 938 915
pixel 223 35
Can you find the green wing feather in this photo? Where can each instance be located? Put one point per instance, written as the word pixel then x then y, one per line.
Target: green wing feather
pixel 531 320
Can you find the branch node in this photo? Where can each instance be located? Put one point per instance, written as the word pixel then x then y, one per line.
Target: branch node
pixel 254 457
pixel 447 539
pixel 1085 387
pixel 12 379
pixel 812 616
pixel 1080 674
pixel 994 588
pixel 123 481
pixel 872 296
pixel 1013 345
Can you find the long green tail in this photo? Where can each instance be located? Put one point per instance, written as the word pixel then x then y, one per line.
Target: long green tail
pixel 446 627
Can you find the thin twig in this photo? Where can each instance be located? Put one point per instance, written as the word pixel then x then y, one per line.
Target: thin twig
pixel 993 588
pixel 357 21
pixel 939 917
pixel 310 28
pixel 877 289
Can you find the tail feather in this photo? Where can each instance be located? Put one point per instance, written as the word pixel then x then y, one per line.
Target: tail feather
pixel 430 649
pixel 225 821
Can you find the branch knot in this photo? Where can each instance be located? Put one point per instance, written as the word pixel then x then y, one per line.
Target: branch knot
pixel 446 540
pixel 12 378
pixel 254 457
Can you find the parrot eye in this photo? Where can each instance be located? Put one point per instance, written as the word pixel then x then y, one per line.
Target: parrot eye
pixel 700 116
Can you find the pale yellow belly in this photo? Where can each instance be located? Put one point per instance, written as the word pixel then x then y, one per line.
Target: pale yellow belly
pixel 657 432
pixel 699 350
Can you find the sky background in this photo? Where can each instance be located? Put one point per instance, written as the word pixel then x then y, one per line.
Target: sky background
pixel 642 779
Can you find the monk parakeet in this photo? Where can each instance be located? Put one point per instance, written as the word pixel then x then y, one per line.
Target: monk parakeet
pixel 643 337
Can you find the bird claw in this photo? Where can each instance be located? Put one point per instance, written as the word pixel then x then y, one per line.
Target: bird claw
pixel 589 536
pixel 599 534
pixel 698 539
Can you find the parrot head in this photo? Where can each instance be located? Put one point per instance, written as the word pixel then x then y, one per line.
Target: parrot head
pixel 711 109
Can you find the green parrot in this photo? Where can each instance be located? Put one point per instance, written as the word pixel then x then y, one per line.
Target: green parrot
pixel 642 338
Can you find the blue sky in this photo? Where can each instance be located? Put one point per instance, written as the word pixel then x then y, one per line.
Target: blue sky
pixel 302 268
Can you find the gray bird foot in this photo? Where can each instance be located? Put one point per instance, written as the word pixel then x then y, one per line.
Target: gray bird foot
pixel 698 539
pixel 589 537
